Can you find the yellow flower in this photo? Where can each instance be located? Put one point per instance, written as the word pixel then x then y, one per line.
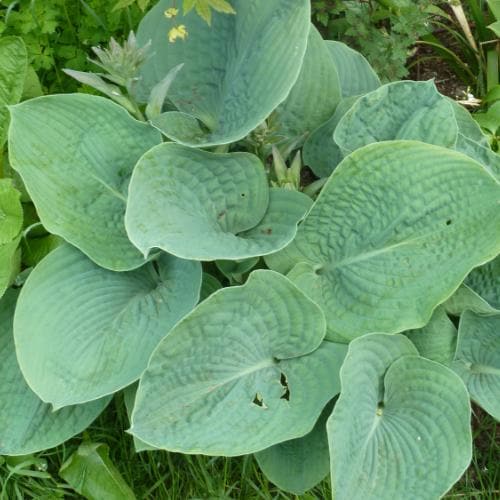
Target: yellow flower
pixel 170 13
pixel 177 32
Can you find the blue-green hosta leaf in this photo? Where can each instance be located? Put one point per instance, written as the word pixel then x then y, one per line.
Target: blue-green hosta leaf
pixel 401 110
pixel 83 332
pixel 240 373
pixel 234 270
pixel 482 154
pixel 13 68
pixel 357 77
pixel 437 340
pixel 477 359
pixel 318 82
pixel 299 464
pixel 485 281
pixel 391 217
pixel 9 263
pixel 75 154
pixel 35 249
pixel 320 152
pixel 467 299
pixel 28 425
pixel 236 71
pixel 467 126
pixel 209 285
pixel 129 400
pixel 401 427
pixel 11 211
pixel 205 206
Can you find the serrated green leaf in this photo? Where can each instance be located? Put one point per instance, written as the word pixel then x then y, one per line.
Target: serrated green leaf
pixel 397 408
pixel 9 263
pixel 96 328
pixel 122 4
pixel 203 10
pixel 11 212
pixel 356 75
pixel 236 71
pixel 77 170
pixel 477 359
pixel 179 195
pixel 188 5
pixel 222 6
pixel 13 68
pixel 391 217
pixel 246 358
pixel 400 110
pixel 91 473
pixel 437 340
pixel 32 87
pixel 27 425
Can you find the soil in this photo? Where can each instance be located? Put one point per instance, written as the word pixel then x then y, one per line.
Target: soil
pixel 446 81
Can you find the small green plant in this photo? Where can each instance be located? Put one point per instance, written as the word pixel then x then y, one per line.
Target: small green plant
pixel 385 31
pixel 310 333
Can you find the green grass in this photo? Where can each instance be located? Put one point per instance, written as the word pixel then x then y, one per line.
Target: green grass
pixel 170 476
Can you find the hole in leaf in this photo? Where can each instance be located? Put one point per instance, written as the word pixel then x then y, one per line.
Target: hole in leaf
pixel 448 222
pixel 221 214
pixel 380 409
pixel 319 271
pixel 267 231
pixel 243 195
pixel 258 401
pixel 286 388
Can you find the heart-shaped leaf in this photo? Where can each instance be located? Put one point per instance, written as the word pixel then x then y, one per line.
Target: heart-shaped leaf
pixel 27 425
pixel 95 328
pixel 401 427
pixel 230 374
pixel 356 75
pixel 75 154
pixel 236 71
pixel 390 218
pixel 477 359
pixel 179 195
pixel 400 110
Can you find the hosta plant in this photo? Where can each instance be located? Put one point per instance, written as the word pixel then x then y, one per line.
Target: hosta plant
pixel 345 333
